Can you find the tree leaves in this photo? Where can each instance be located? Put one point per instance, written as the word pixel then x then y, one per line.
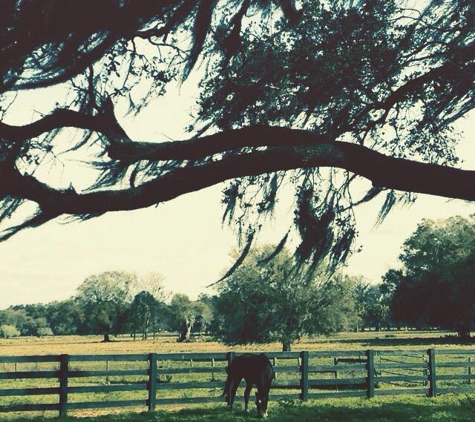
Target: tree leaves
pixel 436 286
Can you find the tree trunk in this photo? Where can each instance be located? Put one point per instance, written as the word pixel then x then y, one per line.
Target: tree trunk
pixel 185 332
pixel 464 334
pixel 286 346
pixel 106 338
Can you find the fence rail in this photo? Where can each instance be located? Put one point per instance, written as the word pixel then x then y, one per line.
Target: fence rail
pixel 73 382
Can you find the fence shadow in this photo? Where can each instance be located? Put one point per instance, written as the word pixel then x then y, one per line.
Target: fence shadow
pixel 377 410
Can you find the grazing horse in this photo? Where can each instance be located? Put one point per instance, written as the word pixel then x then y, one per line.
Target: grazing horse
pixel 256 370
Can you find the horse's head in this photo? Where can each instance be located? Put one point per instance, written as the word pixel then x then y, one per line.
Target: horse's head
pixel 262 399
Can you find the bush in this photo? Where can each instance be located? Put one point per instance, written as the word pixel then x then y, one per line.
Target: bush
pixel 9 331
pixel 45 331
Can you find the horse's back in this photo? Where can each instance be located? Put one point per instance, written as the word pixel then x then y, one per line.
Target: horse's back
pixel 254 368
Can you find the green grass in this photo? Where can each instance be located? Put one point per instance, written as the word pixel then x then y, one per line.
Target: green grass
pixel 449 408
pixel 400 408
pixel 164 344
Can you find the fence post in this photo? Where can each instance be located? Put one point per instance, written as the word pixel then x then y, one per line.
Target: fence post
pixel 212 370
pixel 63 385
pixel 303 376
pixel 229 357
pixel 469 370
pixel 432 373
pixel 370 375
pixel 152 382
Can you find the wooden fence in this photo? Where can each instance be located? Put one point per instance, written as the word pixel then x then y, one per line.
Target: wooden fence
pixel 77 382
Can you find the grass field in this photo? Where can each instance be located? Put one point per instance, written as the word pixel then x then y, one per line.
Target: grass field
pixel 164 344
pixel 402 408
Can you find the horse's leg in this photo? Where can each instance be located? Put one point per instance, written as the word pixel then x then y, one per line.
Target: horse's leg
pixel 227 390
pixel 247 392
pixel 234 384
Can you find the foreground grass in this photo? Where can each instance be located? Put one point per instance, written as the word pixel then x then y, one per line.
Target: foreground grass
pixel 449 408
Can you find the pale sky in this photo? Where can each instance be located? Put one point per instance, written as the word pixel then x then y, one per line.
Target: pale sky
pixel 183 239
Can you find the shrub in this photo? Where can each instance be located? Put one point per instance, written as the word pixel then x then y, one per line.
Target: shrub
pixel 9 331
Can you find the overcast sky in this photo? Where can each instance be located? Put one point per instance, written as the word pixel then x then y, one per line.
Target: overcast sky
pixel 183 239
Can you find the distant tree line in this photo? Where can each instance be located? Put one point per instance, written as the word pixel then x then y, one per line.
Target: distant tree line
pixel 108 304
pixel 256 304
pixel 266 300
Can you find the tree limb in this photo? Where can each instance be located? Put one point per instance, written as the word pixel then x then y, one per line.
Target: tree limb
pixel 106 123
pixel 383 171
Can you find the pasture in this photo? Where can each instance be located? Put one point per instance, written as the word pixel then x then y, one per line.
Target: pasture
pixel 167 343
pixel 388 409
pixel 444 408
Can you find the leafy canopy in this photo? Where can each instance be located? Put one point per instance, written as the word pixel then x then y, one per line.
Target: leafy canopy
pixel 264 301
pixel 436 286
pixel 350 71
pixel 310 99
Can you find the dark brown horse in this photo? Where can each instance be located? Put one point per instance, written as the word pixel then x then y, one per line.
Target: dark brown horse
pixel 256 370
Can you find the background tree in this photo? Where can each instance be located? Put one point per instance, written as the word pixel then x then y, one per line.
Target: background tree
pixel 145 313
pixel 335 308
pixel 103 304
pixel 147 307
pixel 265 301
pixel 16 318
pixel 104 299
pixel 65 317
pixel 316 97
pixel 187 316
pixel 372 304
pixel 181 316
pixel 8 331
pixel 153 283
pixel 29 320
pixel 436 286
pixel 203 311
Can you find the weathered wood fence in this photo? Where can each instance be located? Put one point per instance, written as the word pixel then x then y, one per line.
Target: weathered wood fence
pixel 27 383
